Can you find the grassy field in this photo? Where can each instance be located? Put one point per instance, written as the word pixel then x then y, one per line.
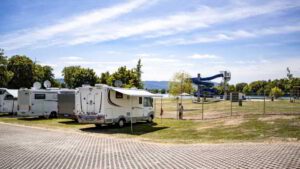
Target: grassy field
pixel 253 128
pixel 220 109
pixel 247 123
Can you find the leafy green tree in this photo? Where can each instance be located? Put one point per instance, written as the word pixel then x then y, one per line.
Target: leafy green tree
pixel 139 72
pixel 43 73
pixel 246 90
pixel 163 91
pixel 180 83
pixel 75 76
pixel 5 74
pixel 276 92
pixel 128 77
pixel 23 71
pixel 104 78
pixel 240 86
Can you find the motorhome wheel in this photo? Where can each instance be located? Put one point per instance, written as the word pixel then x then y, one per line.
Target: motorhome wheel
pixel 121 123
pixel 98 125
pixel 53 115
pixel 150 119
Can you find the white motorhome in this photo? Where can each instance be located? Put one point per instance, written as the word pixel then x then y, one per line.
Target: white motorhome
pixel 104 104
pixel 37 103
pixel 8 100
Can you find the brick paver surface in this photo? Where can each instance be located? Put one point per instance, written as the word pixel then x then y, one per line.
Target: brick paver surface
pixel 25 147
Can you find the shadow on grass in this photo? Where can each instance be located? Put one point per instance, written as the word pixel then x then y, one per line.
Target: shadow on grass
pixel 32 118
pixel 72 122
pixel 6 115
pixel 138 129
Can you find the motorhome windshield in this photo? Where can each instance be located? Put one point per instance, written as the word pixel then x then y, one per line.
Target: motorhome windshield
pixel 148 102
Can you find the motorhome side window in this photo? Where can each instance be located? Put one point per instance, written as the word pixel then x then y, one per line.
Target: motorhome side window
pixel 9 97
pixel 148 102
pixel 2 92
pixel 39 96
pixel 119 95
pixel 140 100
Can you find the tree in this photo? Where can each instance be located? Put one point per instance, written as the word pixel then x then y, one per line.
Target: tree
pixel 180 83
pixel 23 71
pixel 240 86
pixel 276 92
pixel 139 72
pixel 246 90
pixel 163 91
pixel 5 74
pixel 128 77
pixel 104 78
pixel 75 76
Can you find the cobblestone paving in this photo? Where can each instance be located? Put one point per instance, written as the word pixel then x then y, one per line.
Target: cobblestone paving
pixel 25 147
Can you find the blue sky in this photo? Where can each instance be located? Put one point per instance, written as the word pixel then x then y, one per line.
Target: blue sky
pixel 255 40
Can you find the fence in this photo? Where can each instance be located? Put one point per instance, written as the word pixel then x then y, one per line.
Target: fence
pixel 213 108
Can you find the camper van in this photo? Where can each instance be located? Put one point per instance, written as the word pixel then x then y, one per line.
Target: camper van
pixel 104 104
pixel 8 100
pixel 66 103
pixel 37 103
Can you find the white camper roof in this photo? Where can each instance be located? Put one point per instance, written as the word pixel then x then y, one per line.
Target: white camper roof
pixel 135 92
pixel 12 92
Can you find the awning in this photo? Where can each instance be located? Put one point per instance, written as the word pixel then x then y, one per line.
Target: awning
pixel 136 92
pixel 13 92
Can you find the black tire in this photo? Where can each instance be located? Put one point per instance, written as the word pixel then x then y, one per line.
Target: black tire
pixel 121 123
pixel 53 115
pixel 98 125
pixel 150 119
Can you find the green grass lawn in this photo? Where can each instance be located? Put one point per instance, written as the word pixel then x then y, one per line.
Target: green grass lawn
pixel 254 128
pixel 223 108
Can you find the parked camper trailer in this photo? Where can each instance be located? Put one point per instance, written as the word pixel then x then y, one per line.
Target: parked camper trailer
pixel 104 104
pixel 37 103
pixel 66 103
pixel 8 100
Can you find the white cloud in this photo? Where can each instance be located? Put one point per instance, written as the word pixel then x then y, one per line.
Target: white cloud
pixel 98 26
pixel 228 36
pixel 80 22
pixel 203 56
pixel 72 58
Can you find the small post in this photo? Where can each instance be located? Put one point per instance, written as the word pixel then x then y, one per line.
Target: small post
pixel 131 127
pixel 161 110
pixel 177 108
pixel 264 102
pixel 231 105
pixel 198 91
pixel 202 108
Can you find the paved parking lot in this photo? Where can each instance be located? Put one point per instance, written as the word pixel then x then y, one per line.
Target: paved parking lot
pixel 25 147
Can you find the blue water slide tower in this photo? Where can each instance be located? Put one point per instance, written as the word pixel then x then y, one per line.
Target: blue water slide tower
pixel 204 84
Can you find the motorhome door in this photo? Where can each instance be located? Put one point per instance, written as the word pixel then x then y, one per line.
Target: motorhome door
pixel 2 92
pixel 37 105
pixel 91 103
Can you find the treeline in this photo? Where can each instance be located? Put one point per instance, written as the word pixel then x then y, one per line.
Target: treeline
pixel 277 87
pixel 20 71
pixel 76 76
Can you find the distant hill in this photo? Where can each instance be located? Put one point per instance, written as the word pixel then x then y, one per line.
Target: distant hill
pixel 156 84
pixel 147 84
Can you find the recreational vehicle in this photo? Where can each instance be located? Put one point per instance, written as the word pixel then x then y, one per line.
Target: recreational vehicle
pixel 104 104
pixel 37 103
pixel 66 103
pixel 8 100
